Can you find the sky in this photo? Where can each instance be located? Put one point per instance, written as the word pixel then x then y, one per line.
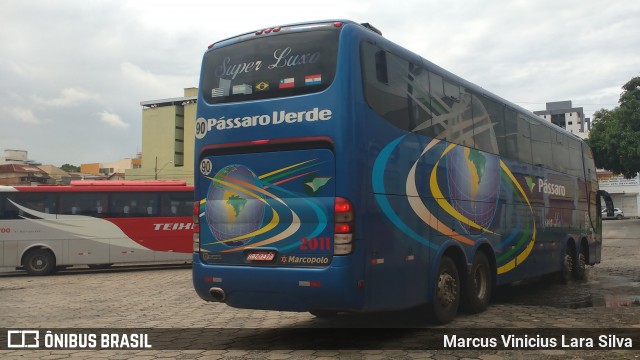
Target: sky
pixel 73 72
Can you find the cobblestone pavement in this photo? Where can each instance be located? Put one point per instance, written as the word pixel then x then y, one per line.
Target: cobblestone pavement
pixel 164 298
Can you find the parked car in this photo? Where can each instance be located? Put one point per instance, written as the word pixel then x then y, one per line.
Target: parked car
pixel 617 214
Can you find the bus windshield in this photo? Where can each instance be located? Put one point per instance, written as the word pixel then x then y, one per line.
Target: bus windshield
pixel 289 63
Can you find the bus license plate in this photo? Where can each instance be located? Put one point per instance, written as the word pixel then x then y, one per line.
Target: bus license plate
pixel 261 256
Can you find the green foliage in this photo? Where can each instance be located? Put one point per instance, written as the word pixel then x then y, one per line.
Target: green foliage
pixel 70 168
pixel 615 134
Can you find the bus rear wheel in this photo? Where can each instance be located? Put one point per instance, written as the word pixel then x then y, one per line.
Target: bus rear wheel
pixel 478 288
pixel 39 262
pixel 444 306
pixel 580 266
pixel 566 273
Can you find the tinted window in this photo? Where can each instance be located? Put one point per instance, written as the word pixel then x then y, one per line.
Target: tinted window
pixel 89 204
pixel 423 110
pixel 560 152
pixel 271 66
pixel 439 106
pixel 540 144
pixel 576 166
pixel 463 122
pixel 511 134
pixel 448 99
pixel 415 99
pixel 133 204
pixel 176 204
pixel 419 100
pixel 399 91
pixel 589 165
pixel 386 85
pixel 495 112
pixel 523 134
pixel 484 133
pixel 41 202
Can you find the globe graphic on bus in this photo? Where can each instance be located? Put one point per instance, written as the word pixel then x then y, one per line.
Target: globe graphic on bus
pixel 232 213
pixel 474 181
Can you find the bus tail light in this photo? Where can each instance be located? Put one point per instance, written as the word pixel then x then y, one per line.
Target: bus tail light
pixel 196 226
pixel 343 226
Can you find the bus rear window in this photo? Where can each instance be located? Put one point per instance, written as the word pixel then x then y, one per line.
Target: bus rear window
pixel 281 65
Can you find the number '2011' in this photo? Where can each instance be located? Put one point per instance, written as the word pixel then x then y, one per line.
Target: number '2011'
pixel 321 243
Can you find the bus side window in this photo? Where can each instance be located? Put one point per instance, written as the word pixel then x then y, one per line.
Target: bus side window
pixel 9 210
pixel 420 100
pixel 382 74
pixel 576 166
pixel 495 111
pixel 560 152
pixel 176 204
pixel 440 110
pixel 134 210
pixel 541 146
pixel 467 133
pixel 524 139
pixel 385 84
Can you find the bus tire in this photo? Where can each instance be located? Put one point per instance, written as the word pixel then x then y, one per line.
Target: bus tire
pixel 478 287
pixel 444 306
pixel 580 266
pixel 39 262
pixel 566 273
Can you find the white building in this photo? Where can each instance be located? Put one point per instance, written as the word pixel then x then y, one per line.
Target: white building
pixel 16 157
pixel 564 115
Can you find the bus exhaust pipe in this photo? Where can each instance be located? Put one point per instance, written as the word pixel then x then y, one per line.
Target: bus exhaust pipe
pixel 217 294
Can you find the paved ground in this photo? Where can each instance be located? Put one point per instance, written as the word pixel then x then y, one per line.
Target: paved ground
pixel 151 298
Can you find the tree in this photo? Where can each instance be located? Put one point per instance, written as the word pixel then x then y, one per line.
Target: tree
pixel 615 134
pixel 70 168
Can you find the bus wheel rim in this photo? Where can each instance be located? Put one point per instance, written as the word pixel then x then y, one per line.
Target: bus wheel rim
pixel 446 289
pixel 480 282
pixel 38 262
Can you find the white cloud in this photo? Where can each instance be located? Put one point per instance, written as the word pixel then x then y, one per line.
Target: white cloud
pixel 113 120
pixel 145 79
pixel 24 70
pixel 22 114
pixel 67 97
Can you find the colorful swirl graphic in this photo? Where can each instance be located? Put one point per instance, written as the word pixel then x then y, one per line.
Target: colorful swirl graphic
pixel 244 210
pixel 464 185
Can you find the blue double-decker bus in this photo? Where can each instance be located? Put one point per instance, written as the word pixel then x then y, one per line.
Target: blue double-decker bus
pixel 337 171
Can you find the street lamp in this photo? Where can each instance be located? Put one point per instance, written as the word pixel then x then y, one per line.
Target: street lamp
pixel 156 170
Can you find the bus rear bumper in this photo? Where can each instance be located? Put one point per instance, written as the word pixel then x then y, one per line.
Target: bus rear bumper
pixel 278 288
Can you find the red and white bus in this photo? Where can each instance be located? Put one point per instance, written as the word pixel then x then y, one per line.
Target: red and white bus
pixel 97 223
